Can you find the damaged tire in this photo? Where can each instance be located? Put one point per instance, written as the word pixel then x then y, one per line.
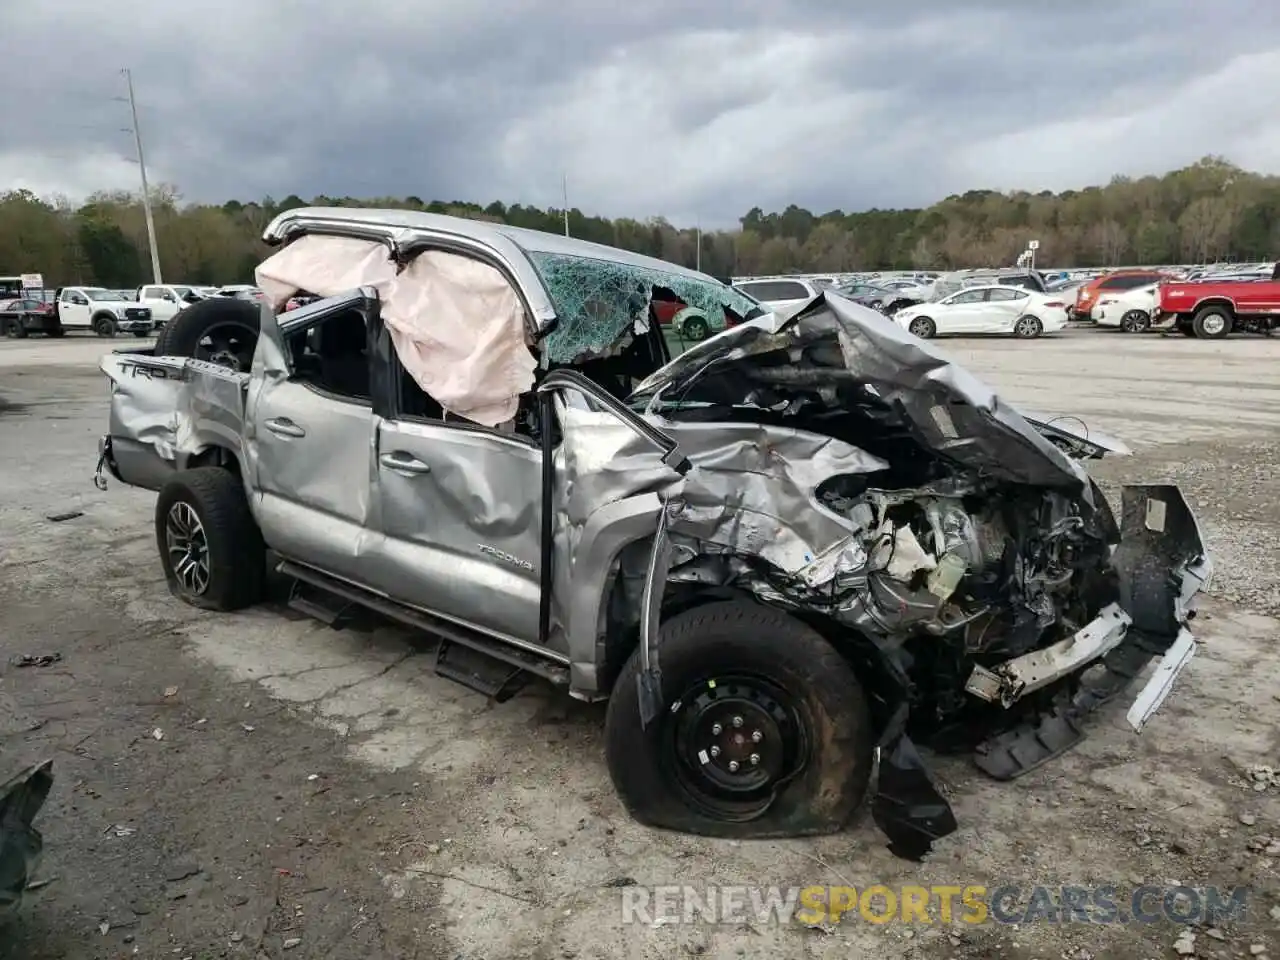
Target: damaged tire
pixel 763 729
pixel 221 330
pixel 923 327
pixel 210 546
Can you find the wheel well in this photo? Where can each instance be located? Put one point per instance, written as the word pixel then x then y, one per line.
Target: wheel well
pixel 870 664
pixel 99 314
pixel 1216 302
pixel 216 456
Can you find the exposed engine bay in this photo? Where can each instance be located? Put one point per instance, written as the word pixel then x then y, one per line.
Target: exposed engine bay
pixel 982 574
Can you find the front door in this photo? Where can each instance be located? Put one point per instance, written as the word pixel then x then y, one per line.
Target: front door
pixel 310 430
pixel 73 309
pixel 163 303
pixel 460 508
pixel 963 312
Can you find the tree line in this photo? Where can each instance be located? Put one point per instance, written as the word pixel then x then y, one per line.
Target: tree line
pixel 1209 211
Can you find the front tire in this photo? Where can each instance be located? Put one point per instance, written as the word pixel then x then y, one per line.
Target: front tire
pixel 923 327
pixel 104 325
pixel 764 730
pixel 210 547
pixel 1212 323
pixel 695 329
pixel 222 331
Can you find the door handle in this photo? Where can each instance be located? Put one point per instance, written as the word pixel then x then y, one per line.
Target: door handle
pixel 403 461
pixel 284 427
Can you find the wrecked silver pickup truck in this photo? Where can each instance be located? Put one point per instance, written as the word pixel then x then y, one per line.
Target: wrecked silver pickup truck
pixel 786 556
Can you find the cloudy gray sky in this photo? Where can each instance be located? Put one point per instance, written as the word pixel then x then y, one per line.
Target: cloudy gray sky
pixel 695 111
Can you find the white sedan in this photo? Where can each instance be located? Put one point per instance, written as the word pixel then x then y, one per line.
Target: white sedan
pixel 995 308
pixel 1131 310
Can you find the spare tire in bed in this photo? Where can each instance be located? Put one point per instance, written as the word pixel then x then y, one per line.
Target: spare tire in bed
pixel 221 330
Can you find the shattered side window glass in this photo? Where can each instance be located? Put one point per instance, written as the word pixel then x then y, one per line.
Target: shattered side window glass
pixel 601 304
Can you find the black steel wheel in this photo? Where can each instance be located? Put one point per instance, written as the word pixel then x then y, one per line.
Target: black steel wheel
pixel 731 742
pixel 763 732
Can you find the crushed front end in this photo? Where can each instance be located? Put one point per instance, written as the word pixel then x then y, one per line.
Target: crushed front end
pixel 954 549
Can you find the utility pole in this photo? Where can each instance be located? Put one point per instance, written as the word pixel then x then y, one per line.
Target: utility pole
pixel 146 190
pixel 698 252
pixel 566 204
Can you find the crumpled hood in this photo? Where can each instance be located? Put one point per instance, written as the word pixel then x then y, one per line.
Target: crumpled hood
pixel 949 410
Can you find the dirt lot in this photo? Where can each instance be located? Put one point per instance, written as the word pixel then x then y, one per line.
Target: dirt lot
pixel 227 785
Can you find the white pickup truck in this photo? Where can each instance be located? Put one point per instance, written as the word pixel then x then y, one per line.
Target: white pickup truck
pixel 103 311
pixel 164 300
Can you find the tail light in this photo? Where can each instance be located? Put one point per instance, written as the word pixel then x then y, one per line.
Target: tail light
pixel 731 321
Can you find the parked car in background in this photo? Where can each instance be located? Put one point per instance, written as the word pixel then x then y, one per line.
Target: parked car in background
pixel 780 295
pixel 1118 281
pixel 1132 311
pixel 301 300
pixel 21 317
pixel 887 299
pixel 103 311
pixel 992 309
pixel 164 300
pixel 240 291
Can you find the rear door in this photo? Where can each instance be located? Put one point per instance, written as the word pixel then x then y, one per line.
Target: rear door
pixel 1003 307
pixel 309 429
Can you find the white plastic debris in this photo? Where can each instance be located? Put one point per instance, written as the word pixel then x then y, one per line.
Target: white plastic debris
pixel 157 734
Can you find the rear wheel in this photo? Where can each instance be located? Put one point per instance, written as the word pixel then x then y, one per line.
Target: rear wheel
pixel 1135 321
pixel 764 731
pixel 222 331
pixel 210 547
pixel 14 327
pixel 56 330
pixel 923 327
pixel 1212 323
pixel 1028 327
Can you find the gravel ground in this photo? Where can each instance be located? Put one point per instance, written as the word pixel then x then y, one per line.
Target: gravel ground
pixel 314 793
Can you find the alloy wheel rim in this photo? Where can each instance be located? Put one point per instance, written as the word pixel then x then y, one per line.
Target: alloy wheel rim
pixel 187 548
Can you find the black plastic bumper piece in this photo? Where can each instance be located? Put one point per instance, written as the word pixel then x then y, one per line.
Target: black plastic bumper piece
pixel 908 807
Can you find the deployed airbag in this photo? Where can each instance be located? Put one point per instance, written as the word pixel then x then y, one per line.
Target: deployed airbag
pixel 457 323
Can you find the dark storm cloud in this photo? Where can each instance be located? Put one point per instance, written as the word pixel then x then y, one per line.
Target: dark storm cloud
pixel 694 111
